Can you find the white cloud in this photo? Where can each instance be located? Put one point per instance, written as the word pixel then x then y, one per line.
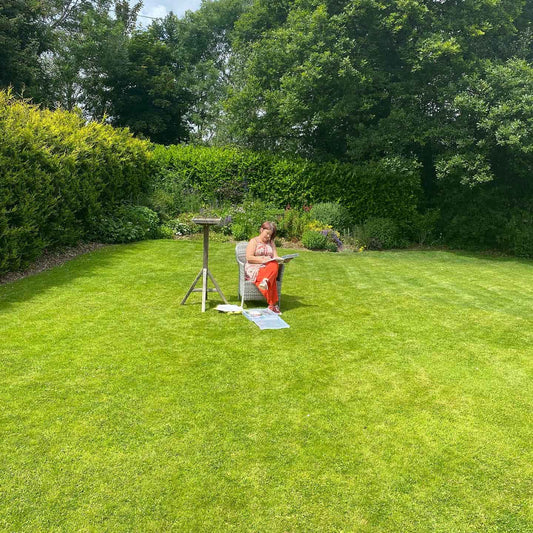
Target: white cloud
pixel 157 11
pixel 160 8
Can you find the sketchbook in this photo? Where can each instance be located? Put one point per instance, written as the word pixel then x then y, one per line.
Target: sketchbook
pixel 283 258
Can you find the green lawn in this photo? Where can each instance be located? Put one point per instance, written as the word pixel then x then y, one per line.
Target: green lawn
pixel 399 400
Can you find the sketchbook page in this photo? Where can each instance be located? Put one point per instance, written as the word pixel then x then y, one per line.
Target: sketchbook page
pixel 283 258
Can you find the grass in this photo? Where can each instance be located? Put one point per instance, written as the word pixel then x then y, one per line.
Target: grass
pixel 399 399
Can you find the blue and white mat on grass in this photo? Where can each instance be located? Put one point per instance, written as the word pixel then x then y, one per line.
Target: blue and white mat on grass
pixel 265 318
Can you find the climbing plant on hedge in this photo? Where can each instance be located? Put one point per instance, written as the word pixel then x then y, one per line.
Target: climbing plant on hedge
pixel 58 174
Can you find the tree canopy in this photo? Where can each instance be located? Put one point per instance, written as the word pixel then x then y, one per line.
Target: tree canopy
pixel 445 83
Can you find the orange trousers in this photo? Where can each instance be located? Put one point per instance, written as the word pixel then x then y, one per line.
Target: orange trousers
pixel 270 272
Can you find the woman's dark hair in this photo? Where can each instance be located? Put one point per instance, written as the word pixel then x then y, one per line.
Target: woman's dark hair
pixel 270 226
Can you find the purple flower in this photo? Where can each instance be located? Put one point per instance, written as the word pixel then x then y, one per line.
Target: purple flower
pixel 333 236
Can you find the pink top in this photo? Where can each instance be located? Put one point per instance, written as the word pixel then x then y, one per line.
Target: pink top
pixel 261 249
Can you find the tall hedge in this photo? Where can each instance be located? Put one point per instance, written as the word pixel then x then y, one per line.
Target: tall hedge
pixel 385 188
pixel 58 174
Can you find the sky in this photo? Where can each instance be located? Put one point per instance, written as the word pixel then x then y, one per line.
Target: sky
pixel 160 8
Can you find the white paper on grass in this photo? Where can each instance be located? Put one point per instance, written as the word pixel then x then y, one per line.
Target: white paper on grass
pixel 229 308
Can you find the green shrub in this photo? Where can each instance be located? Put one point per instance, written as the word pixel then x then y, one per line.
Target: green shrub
pixel 111 229
pixel 518 235
pixel 58 175
pixel 382 233
pixel 247 219
pixel 333 241
pixel 214 174
pixel 331 247
pixel 172 194
pixel 240 232
pixel 386 188
pixel 475 218
pixel 225 223
pixel 360 237
pixel 475 229
pixel 142 217
pixel 423 225
pixel 128 223
pixel 315 240
pixel 523 242
pixel 166 204
pixel 330 213
pixel 183 225
pixel 292 224
pixel 165 232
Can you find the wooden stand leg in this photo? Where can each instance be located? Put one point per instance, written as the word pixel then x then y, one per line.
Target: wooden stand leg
pixel 191 288
pixel 217 287
pixel 204 288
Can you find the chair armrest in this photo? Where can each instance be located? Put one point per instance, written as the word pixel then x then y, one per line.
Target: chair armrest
pixel 281 271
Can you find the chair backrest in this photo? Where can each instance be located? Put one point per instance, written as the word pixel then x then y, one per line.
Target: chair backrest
pixel 240 251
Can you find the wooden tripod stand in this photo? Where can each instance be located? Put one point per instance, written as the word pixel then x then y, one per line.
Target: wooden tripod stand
pixel 204 273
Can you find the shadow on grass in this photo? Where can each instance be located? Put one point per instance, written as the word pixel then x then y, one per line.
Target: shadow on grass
pixel 488 255
pixel 292 302
pixel 492 256
pixel 95 263
pixel 288 303
pixel 27 288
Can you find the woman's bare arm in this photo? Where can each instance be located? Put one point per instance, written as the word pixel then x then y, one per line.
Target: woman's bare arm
pixel 274 249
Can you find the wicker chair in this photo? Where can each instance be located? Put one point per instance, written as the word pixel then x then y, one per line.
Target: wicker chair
pixel 247 289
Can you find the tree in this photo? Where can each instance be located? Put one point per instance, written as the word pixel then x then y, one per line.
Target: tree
pixel 176 75
pixel 301 87
pixel 90 51
pixel 203 39
pixel 24 36
pixel 149 95
pixel 493 133
pixel 363 78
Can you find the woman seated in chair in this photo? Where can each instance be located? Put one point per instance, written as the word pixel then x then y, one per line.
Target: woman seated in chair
pixel 259 266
